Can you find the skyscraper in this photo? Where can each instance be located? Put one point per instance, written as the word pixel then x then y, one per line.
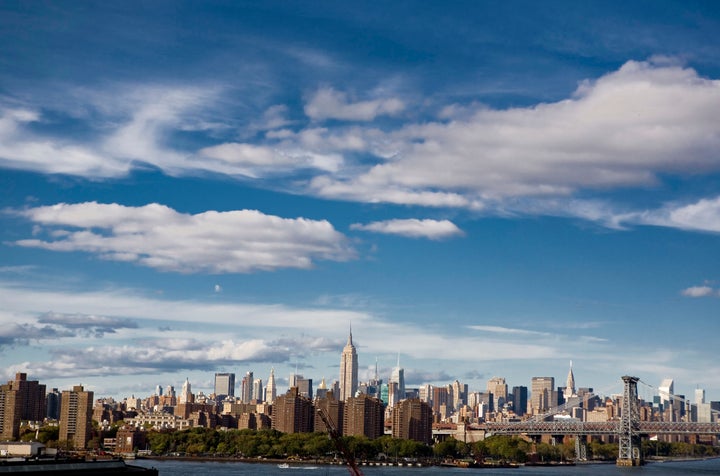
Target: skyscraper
pixel 499 389
pixel 396 384
pixel 224 385
pixel 76 416
pixel 348 370
pixel 519 398
pixel 186 395
pixel 270 390
pixel 569 391
pixel 246 387
pixel 666 390
pixel 541 394
pixel 257 393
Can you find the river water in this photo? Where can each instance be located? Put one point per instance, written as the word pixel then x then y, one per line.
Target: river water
pixel 211 468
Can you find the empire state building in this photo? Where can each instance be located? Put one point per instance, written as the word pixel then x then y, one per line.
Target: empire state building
pixel 348 370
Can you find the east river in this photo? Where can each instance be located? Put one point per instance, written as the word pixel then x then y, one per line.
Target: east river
pixel 214 468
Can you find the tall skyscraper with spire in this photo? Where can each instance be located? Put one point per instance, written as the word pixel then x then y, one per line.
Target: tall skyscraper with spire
pixel 186 395
pixel 348 370
pixel 270 390
pixel 570 385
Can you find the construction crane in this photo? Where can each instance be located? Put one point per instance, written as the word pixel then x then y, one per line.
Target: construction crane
pixel 340 443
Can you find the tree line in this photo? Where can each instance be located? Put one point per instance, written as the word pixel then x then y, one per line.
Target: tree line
pixel 272 444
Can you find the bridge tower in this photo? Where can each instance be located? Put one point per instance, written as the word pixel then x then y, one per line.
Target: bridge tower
pixel 629 454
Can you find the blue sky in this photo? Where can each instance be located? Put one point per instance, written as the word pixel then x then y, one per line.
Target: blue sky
pixel 488 190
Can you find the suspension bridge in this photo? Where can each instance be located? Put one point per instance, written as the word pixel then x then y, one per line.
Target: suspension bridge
pixel 629 429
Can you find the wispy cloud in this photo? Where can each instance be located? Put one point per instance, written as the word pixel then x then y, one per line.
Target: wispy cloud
pixel 327 103
pixel 700 291
pixel 156 236
pixel 413 228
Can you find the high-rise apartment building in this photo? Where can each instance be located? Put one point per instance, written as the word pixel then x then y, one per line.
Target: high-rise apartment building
pixel 20 399
pixel 270 389
pixel 246 387
pixel 364 416
pixel 348 370
pixel 412 420
pixel 76 416
pixel 224 385
pixel 542 390
pixel 334 409
pixel 293 413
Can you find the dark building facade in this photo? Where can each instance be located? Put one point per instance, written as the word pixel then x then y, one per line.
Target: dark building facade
pixel 20 399
pixel 412 420
pixel 364 416
pixel 293 413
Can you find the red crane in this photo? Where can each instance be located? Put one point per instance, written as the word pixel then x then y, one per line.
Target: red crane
pixel 340 443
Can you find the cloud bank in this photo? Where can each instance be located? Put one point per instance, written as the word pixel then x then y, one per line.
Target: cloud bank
pixel 156 236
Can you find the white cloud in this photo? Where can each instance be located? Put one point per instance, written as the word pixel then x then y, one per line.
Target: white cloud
pixel 328 103
pixel 255 161
pixel 622 130
pixel 699 291
pixel 413 228
pixel 703 215
pixel 156 236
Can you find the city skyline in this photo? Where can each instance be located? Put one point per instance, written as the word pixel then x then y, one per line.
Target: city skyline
pixel 487 190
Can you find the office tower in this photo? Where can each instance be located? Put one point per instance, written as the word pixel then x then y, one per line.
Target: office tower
pixel 665 392
pixel 542 390
pixel 499 389
pixel 76 417
pixel 364 416
pixel 293 413
pixel 158 390
pixel 519 399
pixel 334 409
pixel 412 420
pixel 459 394
pixel 439 400
pixel 52 400
pixel 170 391
pixel 224 385
pixel 305 386
pixel 699 396
pixel 246 387
pixel 321 390
pixel 569 390
pixel 398 377
pixel 186 395
pixel 425 393
pixel 348 370
pixel 270 390
pixel 257 393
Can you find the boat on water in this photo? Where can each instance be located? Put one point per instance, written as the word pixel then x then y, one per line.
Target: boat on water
pixel 71 467
pixel 283 466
